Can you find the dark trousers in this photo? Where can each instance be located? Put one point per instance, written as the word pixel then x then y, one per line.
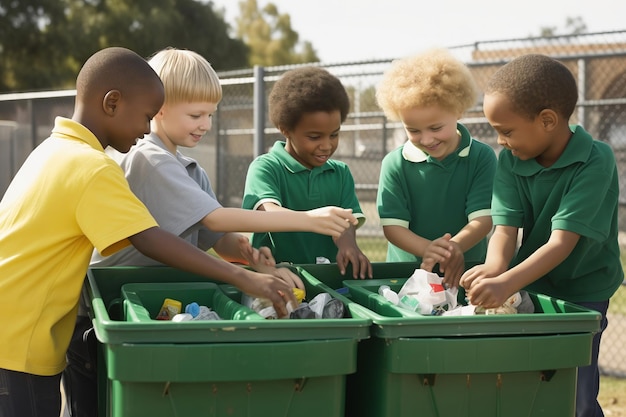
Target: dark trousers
pixel 80 378
pixel 27 395
pixel 588 381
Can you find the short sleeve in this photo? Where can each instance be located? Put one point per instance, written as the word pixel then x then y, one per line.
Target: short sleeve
pixel 108 212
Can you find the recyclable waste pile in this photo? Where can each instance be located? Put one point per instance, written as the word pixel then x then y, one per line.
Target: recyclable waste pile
pixel 425 293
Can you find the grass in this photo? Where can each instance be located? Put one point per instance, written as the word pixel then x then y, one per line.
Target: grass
pixel 612 396
pixel 375 248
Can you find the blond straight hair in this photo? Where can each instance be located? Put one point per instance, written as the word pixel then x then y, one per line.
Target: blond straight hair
pixel 187 76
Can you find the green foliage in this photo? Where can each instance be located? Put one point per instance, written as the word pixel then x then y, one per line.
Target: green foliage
pixel 270 37
pixel 43 43
pixel 31 49
pixel 573 26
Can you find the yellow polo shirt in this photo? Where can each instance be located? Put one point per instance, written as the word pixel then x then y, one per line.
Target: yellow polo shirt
pixel 67 198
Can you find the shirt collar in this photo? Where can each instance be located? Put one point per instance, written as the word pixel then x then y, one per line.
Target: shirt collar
pixel 293 165
pixel 152 138
pixel 70 129
pixel 412 153
pixel 577 150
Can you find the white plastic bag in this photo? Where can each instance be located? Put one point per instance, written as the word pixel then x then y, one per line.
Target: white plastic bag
pixel 425 293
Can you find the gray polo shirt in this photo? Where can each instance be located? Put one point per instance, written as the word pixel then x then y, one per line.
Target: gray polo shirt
pixel 176 190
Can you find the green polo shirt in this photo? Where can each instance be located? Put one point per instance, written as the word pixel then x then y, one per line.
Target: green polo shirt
pixel 278 178
pixel 431 197
pixel 579 193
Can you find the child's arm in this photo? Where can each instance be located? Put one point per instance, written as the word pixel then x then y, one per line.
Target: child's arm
pixel 235 247
pixel 349 252
pixel 493 292
pixel 410 242
pixel 331 221
pixel 431 252
pixel 171 250
pixel 454 266
pixel 473 232
pixel 502 246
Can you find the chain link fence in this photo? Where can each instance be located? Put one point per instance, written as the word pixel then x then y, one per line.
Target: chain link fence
pixel 241 129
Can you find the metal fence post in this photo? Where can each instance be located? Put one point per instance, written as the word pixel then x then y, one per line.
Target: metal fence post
pixel 259 111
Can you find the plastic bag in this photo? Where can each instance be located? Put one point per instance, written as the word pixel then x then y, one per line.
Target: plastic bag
pixel 425 293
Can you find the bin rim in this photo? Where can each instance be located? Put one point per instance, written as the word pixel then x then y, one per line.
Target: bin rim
pixel 580 320
pixel 220 331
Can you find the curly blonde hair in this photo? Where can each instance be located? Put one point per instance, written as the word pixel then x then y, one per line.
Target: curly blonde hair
pixel 434 77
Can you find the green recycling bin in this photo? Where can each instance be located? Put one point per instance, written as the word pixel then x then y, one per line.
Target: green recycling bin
pixel 240 365
pixel 482 365
pixel 143 301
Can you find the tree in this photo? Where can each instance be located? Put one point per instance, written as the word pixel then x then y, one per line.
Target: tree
pixel 32 53
pixel 573 26
pixel 270 37
pixel 43 43
pixel 147 26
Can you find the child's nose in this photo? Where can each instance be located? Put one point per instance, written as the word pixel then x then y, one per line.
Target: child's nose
pixel 207 123
pixel 326 143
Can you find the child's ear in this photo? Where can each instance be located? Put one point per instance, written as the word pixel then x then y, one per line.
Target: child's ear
pixel 159 114
pixel 111 101
pixel 549 119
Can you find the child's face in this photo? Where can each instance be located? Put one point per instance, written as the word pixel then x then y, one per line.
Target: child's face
pixel 184 124
pixel 132 118
pixel 315 138
pixel 432 129
pixel 524 137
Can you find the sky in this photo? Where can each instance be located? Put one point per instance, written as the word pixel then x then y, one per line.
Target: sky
pixel 359 30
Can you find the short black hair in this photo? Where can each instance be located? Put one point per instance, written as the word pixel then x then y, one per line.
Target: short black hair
pixel 536 82
pixel 305 90
pixel 113 68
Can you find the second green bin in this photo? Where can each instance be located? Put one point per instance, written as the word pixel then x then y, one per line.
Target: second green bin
pixel 489 366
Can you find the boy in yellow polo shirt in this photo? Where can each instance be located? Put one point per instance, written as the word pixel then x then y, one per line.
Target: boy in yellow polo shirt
pixel 67 198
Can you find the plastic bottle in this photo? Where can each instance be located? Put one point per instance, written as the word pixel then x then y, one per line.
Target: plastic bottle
pixel 389 294
pixel 411 303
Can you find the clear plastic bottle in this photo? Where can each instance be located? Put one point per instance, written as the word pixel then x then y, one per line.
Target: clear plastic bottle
pixel 389 294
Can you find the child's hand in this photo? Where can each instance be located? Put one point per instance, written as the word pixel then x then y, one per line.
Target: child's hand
pixel 289 277
pixel 279 292
pixel 262 260
pixel 331 220
pixel 439 251
pixel 257 258
pixel 477 273
pixel 349 252
pixel 488 292
pixel 453 267
pixel 361 266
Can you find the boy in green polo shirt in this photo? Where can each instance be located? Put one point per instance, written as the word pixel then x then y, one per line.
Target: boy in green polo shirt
pixel 308 106
pixel 560 186
pixel 434 192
